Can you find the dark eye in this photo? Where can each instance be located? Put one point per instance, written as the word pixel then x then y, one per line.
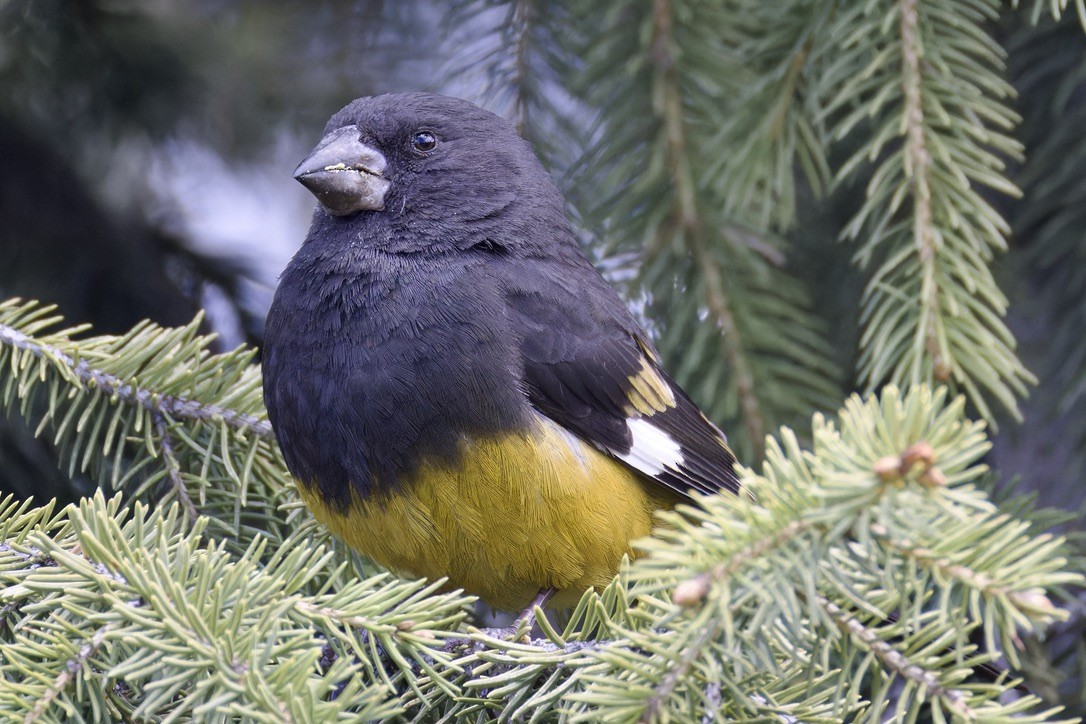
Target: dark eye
pixel 423 141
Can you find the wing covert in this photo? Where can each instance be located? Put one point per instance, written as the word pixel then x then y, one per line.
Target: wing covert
pixel 599 379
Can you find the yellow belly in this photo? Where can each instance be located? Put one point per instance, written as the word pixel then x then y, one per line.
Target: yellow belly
pixel 516 515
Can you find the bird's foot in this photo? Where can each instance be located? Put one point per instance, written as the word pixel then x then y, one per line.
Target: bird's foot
pixel 527 616
pixel 521 629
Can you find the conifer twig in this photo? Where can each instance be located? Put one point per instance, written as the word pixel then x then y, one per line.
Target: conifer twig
pixel 701 585
pixel 690 654
pixel 173 467
pixel 174 406
pixel 694 590
pixel 68 674
pixel 520 18
pixel 918 172
pixel 895 661
pixel 1030 599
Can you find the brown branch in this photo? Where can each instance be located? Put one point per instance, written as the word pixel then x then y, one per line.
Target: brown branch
pixel 173 467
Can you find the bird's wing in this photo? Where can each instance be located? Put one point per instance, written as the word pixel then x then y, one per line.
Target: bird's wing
pixel 599 378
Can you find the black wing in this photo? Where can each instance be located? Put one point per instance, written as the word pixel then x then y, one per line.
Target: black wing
pixel 589 369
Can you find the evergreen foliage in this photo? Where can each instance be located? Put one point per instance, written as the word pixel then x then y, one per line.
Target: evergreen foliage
pixel 848 585
pixel 932 311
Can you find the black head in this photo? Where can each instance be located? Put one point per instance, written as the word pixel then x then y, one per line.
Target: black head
pixel 426 172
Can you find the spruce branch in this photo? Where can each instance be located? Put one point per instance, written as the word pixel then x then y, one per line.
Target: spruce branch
pixel 1056 9
pixel 694 590
pixel 895 661
pixel 1020 596
pixel 173 467
pixel 657 702
pixel 288 633
pixel 701 203
pixel 869 432
pixel 96 379
pixel 153 595
pixel 685 220
pixel 67 675
pixel 517 25
pixel 516 57
pixel 877 531
pixel 152 405
pixel 934 123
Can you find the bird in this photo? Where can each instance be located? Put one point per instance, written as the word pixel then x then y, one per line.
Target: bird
pixel 456 390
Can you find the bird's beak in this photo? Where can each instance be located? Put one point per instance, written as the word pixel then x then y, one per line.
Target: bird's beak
pixel 345 174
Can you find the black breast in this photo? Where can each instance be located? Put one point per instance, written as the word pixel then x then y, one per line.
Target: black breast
pixel 375 361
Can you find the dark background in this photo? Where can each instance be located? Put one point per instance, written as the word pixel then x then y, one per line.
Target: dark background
pixel 146 151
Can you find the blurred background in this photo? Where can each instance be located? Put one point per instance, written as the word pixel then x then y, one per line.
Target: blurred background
pixel 147 146
pixel 146 151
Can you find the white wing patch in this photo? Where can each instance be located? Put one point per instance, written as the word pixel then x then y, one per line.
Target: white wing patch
pixel 652 449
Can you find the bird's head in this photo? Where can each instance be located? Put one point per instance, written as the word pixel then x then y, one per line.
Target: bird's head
pixel 430 170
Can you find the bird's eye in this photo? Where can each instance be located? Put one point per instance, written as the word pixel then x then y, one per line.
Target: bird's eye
pixel 423 141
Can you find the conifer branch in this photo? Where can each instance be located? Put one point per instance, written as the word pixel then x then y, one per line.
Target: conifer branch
pixel 694 590
pixel 698 190
pixel 935 125
pixel 1029 600
pixel 68 674
pixel 521 60
pixel 176 407
pixel 1056 9
pixel 276 629
pixel 691 653
pixel 173 466
pixel 786 99
pixel 517 25
pixel 895 661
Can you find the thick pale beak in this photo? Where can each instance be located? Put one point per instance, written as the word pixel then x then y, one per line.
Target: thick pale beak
pixel 345 174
